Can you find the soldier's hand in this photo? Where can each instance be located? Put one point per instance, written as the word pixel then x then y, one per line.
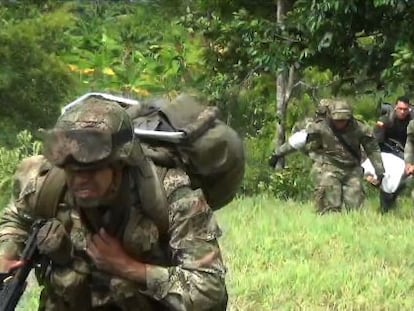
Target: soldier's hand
pixel 109 255
pixel 409 169
pixel 374 181
pixel 54 242
pixel 106 252
pixel 379 179
pixel 8 265
pixel 273 160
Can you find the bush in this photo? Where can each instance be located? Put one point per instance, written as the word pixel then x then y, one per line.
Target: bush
pixel 10 158
pixel 34 81
pixel 293 182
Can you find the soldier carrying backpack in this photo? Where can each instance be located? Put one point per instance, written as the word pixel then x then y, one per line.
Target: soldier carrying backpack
pixel 129 221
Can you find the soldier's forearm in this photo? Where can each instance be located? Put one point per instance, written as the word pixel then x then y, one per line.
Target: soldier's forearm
pixel 376 161
pixel 172 285
pixel 409 152
pixel 284 150
pixel 373 152
pixel 12 236
pixel 379 134
pixel 295 142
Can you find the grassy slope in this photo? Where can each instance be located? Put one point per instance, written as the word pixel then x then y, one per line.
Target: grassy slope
pixel 281 256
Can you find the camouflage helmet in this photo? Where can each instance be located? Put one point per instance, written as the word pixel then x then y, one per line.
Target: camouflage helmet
pixel 94 131
pixel 340 109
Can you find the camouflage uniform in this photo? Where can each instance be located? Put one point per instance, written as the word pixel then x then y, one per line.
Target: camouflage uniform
pixel 340 179
pixel 185 270
pixel 409 145
pixel 310 149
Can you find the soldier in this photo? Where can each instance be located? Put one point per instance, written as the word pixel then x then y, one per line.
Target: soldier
pixel 391 133
pixel 107 243
pixel 338 140
pixel 409 150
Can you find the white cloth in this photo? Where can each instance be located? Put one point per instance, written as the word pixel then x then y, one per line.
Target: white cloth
pixel 298 139
pixel 394 171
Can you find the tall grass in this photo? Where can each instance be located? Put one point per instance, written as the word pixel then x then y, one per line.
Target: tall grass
pixel 282 256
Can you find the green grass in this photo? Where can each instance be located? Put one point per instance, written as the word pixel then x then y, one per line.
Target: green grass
pixel 282 256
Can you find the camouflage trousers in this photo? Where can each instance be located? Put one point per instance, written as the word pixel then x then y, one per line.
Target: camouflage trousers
pixel 338 188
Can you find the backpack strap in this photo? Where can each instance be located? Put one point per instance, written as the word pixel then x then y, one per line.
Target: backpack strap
pixel 152 195
pixel 50 193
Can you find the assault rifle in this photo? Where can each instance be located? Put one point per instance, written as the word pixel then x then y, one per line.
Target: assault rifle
pixel 393 146
pixel 13 284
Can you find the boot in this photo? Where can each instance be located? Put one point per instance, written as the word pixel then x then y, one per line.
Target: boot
pixel 387 201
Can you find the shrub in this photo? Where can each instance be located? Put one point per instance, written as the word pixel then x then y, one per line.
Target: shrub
pixel 292 182
pixel 10 158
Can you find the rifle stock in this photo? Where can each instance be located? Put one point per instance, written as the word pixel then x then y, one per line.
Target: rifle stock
pixel 13 284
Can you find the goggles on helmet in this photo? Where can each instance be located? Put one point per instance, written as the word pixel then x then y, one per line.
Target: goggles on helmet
pixel 83 146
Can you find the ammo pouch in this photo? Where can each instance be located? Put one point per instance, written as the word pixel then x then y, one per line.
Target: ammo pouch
pixel 71 285
pixel 211 152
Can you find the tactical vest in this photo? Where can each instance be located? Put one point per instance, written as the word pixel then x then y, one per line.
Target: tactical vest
pixel 153 199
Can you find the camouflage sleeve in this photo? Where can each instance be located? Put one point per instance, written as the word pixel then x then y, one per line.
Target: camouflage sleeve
pixel 310 140
pixel 409 145
pixel 16 219
pixel 371 148
pixel 285 149
pixel 314 139
pixel 197 280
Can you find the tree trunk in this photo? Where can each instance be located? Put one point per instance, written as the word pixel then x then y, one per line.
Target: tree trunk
pixel 284 86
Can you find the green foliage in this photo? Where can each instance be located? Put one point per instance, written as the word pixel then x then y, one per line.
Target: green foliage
pixel 10 158
pixel 241 53
pixel 33 80
pixel 126 49
pixel 354 39
pixel 294 182
pixel 366 108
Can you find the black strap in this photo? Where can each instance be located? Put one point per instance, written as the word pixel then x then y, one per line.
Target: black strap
pixel 344 143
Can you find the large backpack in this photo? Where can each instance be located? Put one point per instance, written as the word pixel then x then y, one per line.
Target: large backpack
pixel 210 151
pixel 180 133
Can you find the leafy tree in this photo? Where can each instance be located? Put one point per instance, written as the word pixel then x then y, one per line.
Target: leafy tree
pixel 33 80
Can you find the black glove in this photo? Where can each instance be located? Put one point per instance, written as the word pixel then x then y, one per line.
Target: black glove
pixel 274 159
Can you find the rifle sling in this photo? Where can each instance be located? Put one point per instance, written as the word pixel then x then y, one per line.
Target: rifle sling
pixel 345 144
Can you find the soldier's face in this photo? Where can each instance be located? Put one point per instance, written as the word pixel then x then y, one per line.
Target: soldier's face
pixel 402 110
pixel 340 124
pixel 89 186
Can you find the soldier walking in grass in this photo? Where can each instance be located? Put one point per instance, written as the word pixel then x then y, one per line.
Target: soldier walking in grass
pixel 337 140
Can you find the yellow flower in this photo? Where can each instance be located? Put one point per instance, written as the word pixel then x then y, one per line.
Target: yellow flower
pixel 141 92
pixel 73 68
pixel 88 71
pixel 108 71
